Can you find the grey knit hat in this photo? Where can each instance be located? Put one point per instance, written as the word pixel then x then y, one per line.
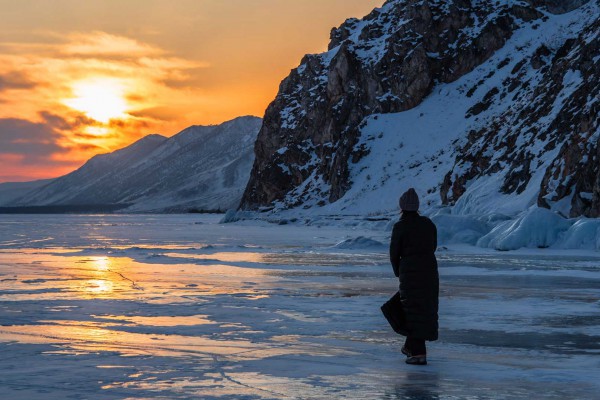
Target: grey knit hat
pixel 409 201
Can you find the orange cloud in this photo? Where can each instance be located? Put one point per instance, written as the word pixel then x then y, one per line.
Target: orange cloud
pixel 102 43
pixel 88 92
pixel 176 63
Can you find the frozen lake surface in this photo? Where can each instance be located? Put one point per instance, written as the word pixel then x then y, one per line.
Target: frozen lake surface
pixel 180 307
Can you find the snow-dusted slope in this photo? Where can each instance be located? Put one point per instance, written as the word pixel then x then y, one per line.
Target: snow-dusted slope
pixel 536 139
pixel 485 141
pixel 202 167
pixel 488 106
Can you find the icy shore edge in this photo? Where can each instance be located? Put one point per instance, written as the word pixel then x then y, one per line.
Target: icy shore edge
pixel 535 227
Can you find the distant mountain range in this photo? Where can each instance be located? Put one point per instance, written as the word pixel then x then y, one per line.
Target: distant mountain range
pixel 200 168
pixel 10 191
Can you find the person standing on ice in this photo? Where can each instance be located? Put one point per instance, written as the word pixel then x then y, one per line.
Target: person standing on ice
pixel 412 254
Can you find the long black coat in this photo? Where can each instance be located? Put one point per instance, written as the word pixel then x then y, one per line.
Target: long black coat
pixel 412 248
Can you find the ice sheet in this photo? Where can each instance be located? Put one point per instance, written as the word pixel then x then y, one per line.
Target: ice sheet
pixel 180 307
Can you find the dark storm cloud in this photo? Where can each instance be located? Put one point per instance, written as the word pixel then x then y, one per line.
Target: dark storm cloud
pixel 15 80
pixel 54 121
pixel 82 135
pixel 88 147
pixel 158 113
pixel 76 120
pixel 34 141
pixel 128 124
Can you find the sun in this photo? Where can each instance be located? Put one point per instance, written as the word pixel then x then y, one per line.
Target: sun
pixel 101 99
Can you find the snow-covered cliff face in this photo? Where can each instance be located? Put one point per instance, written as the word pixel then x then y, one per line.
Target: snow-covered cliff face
pixel 544 141
pixel 475 103
pixel 202 167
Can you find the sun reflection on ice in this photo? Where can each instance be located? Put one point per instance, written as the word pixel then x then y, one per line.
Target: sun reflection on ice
pixel 101 284
pixel 159 320
pixel 101 263
pixel 97 286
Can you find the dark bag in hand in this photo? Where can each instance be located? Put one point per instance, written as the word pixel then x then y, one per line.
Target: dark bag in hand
pixel 394 313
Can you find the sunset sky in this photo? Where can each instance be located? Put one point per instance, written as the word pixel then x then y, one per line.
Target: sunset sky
pixel 78 78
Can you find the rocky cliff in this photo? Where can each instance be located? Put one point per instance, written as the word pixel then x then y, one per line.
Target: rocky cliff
pixel 340 109
pixel 550 130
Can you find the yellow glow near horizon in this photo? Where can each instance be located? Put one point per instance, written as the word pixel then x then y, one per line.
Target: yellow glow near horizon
pixel 96 130
pixel 95 76
pixel 101 99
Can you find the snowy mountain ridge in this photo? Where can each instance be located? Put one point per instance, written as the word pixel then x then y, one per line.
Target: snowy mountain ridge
pixel 10 191
pixel 451 73
pixel 488 108
pixel 202 167
pixel 386 63
pixel 443 147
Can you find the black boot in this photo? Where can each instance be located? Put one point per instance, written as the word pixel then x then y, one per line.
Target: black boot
pixel 416 360
pixel 405 351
